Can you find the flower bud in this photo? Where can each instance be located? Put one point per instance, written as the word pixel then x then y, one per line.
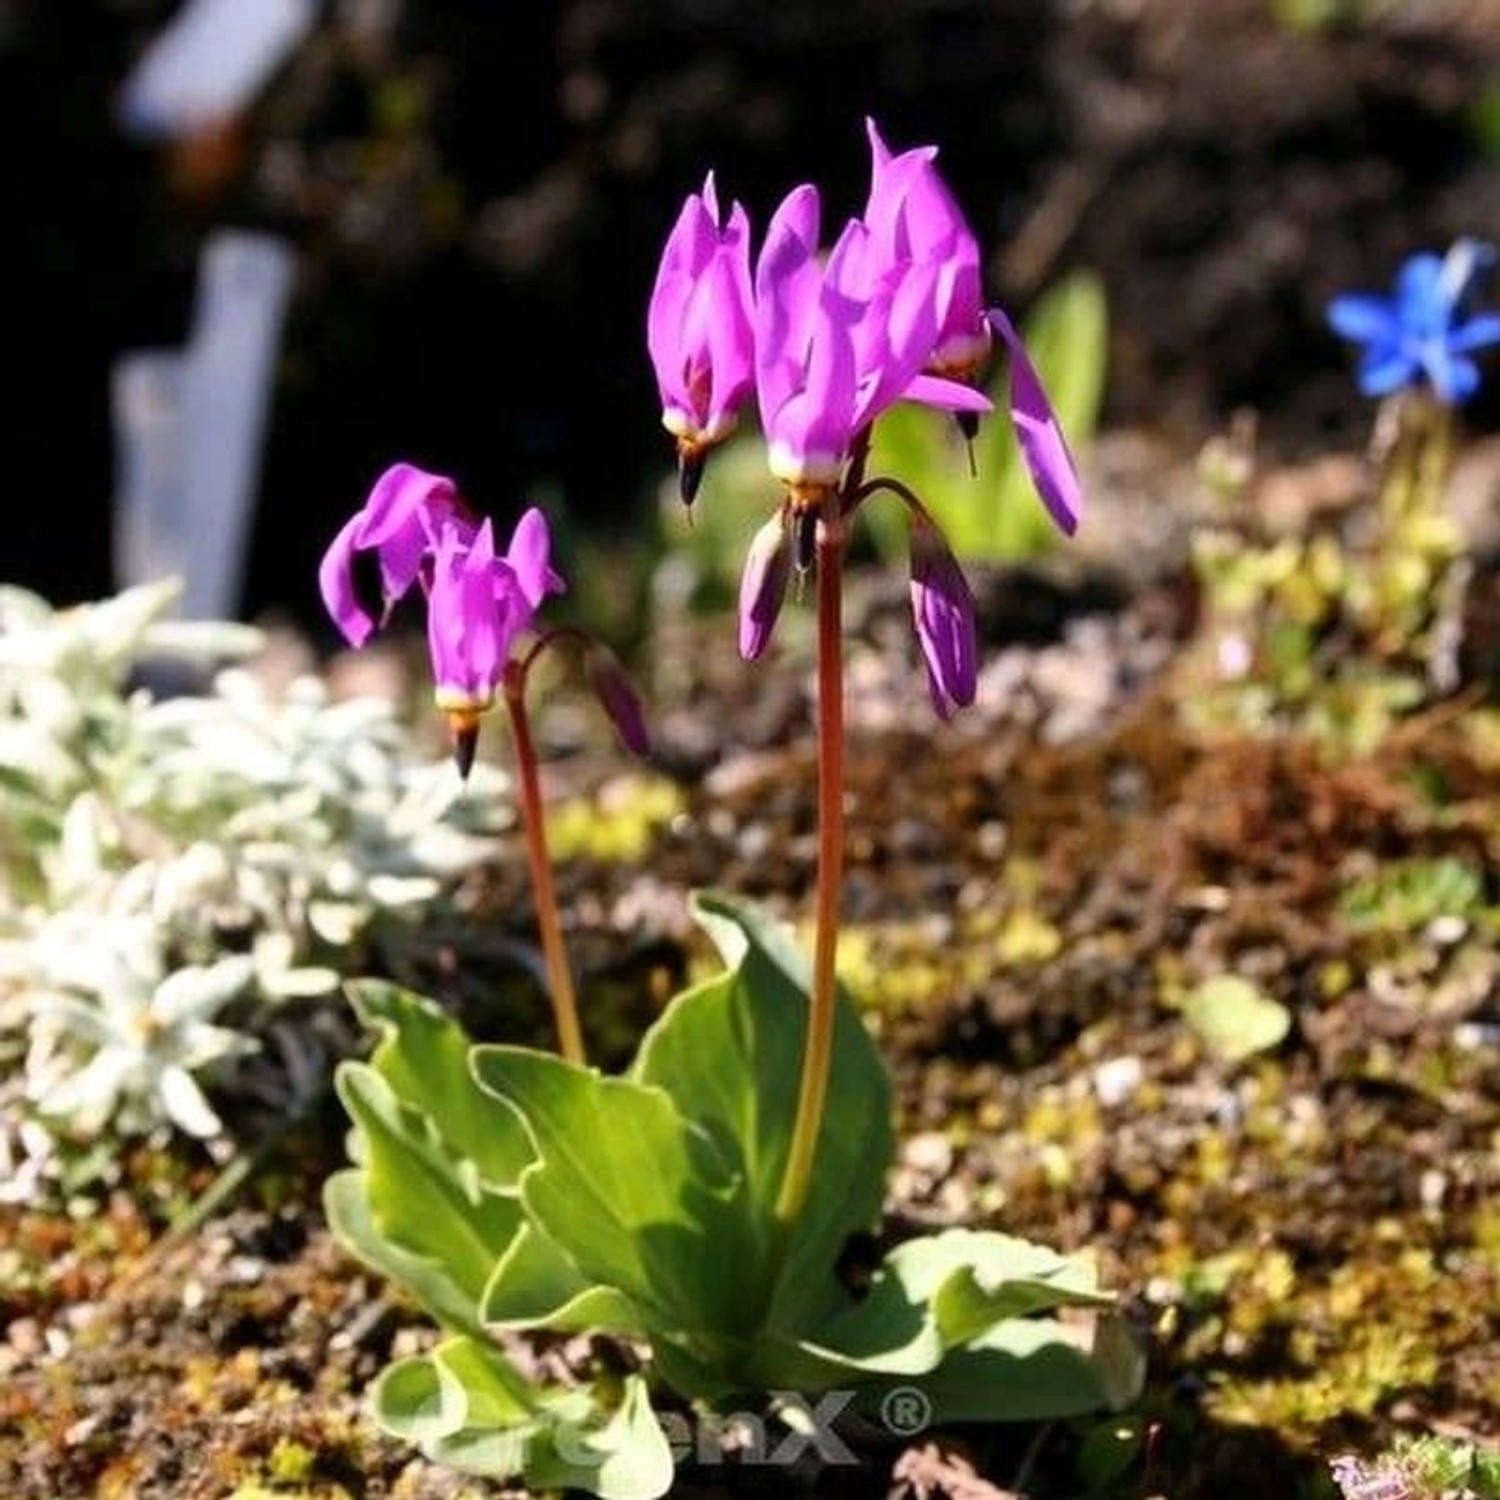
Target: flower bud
pixel 943 611
pixel 763 586
pixel 618 697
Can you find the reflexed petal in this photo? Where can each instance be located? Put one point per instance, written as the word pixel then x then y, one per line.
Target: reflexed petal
pixel 528 558
pixel 664 320
pixel 787 284
pixel 698 322
pixel 398 497
pixel 336 583
pixel 401 518
pixel 943 613
pixel 1362 317
pixel 465 621
pixel 948 395
pixel 1041 439
pixel 763 586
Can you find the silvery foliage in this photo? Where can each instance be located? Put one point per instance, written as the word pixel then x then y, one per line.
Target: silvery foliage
pixel 174 870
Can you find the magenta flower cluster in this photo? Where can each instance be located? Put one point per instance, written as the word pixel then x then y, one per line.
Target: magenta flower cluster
pixel 828 342
pixel 414 528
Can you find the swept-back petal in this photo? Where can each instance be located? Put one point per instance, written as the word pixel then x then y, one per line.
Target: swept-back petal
pixel 787 283
pixel 355 619
pixel 529 558
pixel 1039 433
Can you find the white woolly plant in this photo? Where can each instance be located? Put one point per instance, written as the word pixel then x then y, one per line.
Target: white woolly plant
pixel 173 870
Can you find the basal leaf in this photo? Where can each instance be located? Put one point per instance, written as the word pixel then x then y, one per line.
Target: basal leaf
pixel 423 1196
pixel 1032 1370
pixel 423 1055
pixel 465 1407
pixel 536 1285
pixel 636 1197
pixel 346 1201
pixel 729 1052
pixel 626 1458
pixel 974 1279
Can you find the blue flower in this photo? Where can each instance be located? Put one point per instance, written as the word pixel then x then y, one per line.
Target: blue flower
pixel 1426 330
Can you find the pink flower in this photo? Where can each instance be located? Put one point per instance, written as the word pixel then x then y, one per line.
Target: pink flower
pixel 835 345
pixel 399 525
pixel 698 329
pixel 479 603
pixel 912 215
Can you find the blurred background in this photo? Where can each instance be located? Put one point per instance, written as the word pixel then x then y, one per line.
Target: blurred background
pixel 474 195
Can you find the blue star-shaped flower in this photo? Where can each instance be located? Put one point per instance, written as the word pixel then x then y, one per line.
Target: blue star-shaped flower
pixel 1426 330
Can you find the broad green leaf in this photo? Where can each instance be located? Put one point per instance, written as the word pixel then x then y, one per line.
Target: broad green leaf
pixel 930 1295
pixel 635 1196
pixel 346 1201
pixel 974 1279
pixel 423 1196
pixel 535 1285
pixel 1030 1370
pixel 729 1052
pixel 465 1407
pixel 627 1458
pixel 1234 1019
pixel 423 1055
pixel 464 1382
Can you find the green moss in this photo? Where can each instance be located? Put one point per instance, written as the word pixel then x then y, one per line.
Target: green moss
pixel 615 825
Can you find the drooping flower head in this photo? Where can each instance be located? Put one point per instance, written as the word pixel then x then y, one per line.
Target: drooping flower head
pixel 415 528
pixel 477 605
pixel 912 215
pixel 698 329
pixel 837 344
pixel 1426 330
pixel 397 527
pixel 895 311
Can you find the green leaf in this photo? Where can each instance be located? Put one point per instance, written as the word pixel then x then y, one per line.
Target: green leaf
pixel 1234 1019
pixel 466 1407
pixel 974 1279
pixel 346 1201
pixel 729 1052
pixel 1031 1370
pixel 636 1197
pixel 423 1197
pixel 930 1295
pixel 535 1285
pixel 423 1055
pixel 627 1458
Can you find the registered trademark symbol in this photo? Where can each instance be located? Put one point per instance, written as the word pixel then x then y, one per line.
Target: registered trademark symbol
pixel 905 1411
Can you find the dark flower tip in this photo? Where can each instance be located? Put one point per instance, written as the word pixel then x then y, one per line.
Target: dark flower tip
pixel 465 728
pixel 690 466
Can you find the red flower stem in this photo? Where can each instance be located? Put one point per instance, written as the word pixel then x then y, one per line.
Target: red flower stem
pixel 817 1056
pixel 533 825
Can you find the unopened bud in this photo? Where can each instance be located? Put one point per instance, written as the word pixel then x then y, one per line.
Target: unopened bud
pixel 943 611
pixel 763 586
pixel 618 698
